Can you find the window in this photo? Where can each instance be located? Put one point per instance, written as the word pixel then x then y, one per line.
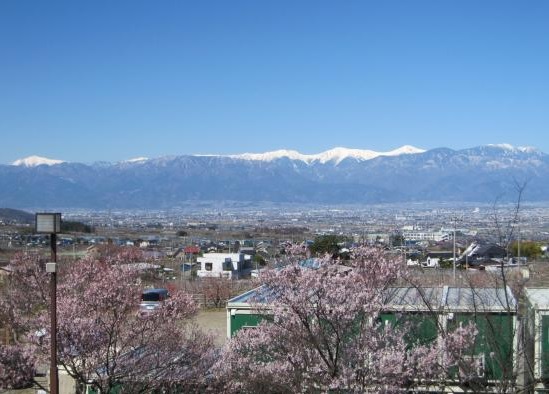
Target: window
pixel 151 297
pixel 155 295
pixel 208 266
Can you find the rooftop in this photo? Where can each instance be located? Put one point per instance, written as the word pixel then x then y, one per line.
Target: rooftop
pixel 538 297
pixel 448 298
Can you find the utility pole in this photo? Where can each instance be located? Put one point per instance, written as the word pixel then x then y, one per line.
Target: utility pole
pixel 454 251
pixel 518 247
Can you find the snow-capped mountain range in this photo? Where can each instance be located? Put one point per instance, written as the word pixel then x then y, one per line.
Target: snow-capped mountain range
pixel 339 175
pixel 335 155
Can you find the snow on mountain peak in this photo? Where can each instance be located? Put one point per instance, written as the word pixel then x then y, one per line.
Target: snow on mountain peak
pixel 527 149
pixel 33 161
pixel 502 146
pixel 270 156
pixel 339 154
pixel 404 150
pixel 509 147
pixel 136 160
pixel 336 155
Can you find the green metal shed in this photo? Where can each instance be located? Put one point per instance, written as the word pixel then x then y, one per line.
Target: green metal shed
pixel 492 310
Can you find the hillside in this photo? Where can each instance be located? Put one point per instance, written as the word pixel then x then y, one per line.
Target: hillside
pixel 8 215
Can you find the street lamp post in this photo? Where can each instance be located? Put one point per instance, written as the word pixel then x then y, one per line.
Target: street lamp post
pixel 50 223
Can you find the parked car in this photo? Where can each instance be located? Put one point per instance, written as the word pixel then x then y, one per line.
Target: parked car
pixel 151 299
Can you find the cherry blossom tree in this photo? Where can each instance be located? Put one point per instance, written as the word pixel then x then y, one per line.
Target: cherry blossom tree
pixel 216 291
pixel 102 338
pixel 21 301
pixel 322 331
pixel 16 367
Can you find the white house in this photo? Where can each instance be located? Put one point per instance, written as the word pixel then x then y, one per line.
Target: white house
pixel 223 265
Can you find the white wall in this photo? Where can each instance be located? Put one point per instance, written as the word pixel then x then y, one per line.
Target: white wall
pixel 218 260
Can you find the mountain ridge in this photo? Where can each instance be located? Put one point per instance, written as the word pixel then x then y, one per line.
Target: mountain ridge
pixel 478 174
pixel 335 154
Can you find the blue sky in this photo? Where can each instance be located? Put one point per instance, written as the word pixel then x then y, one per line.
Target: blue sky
pixel 113 80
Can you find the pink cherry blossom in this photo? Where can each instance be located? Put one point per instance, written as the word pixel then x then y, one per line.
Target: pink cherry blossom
pixel 322 332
